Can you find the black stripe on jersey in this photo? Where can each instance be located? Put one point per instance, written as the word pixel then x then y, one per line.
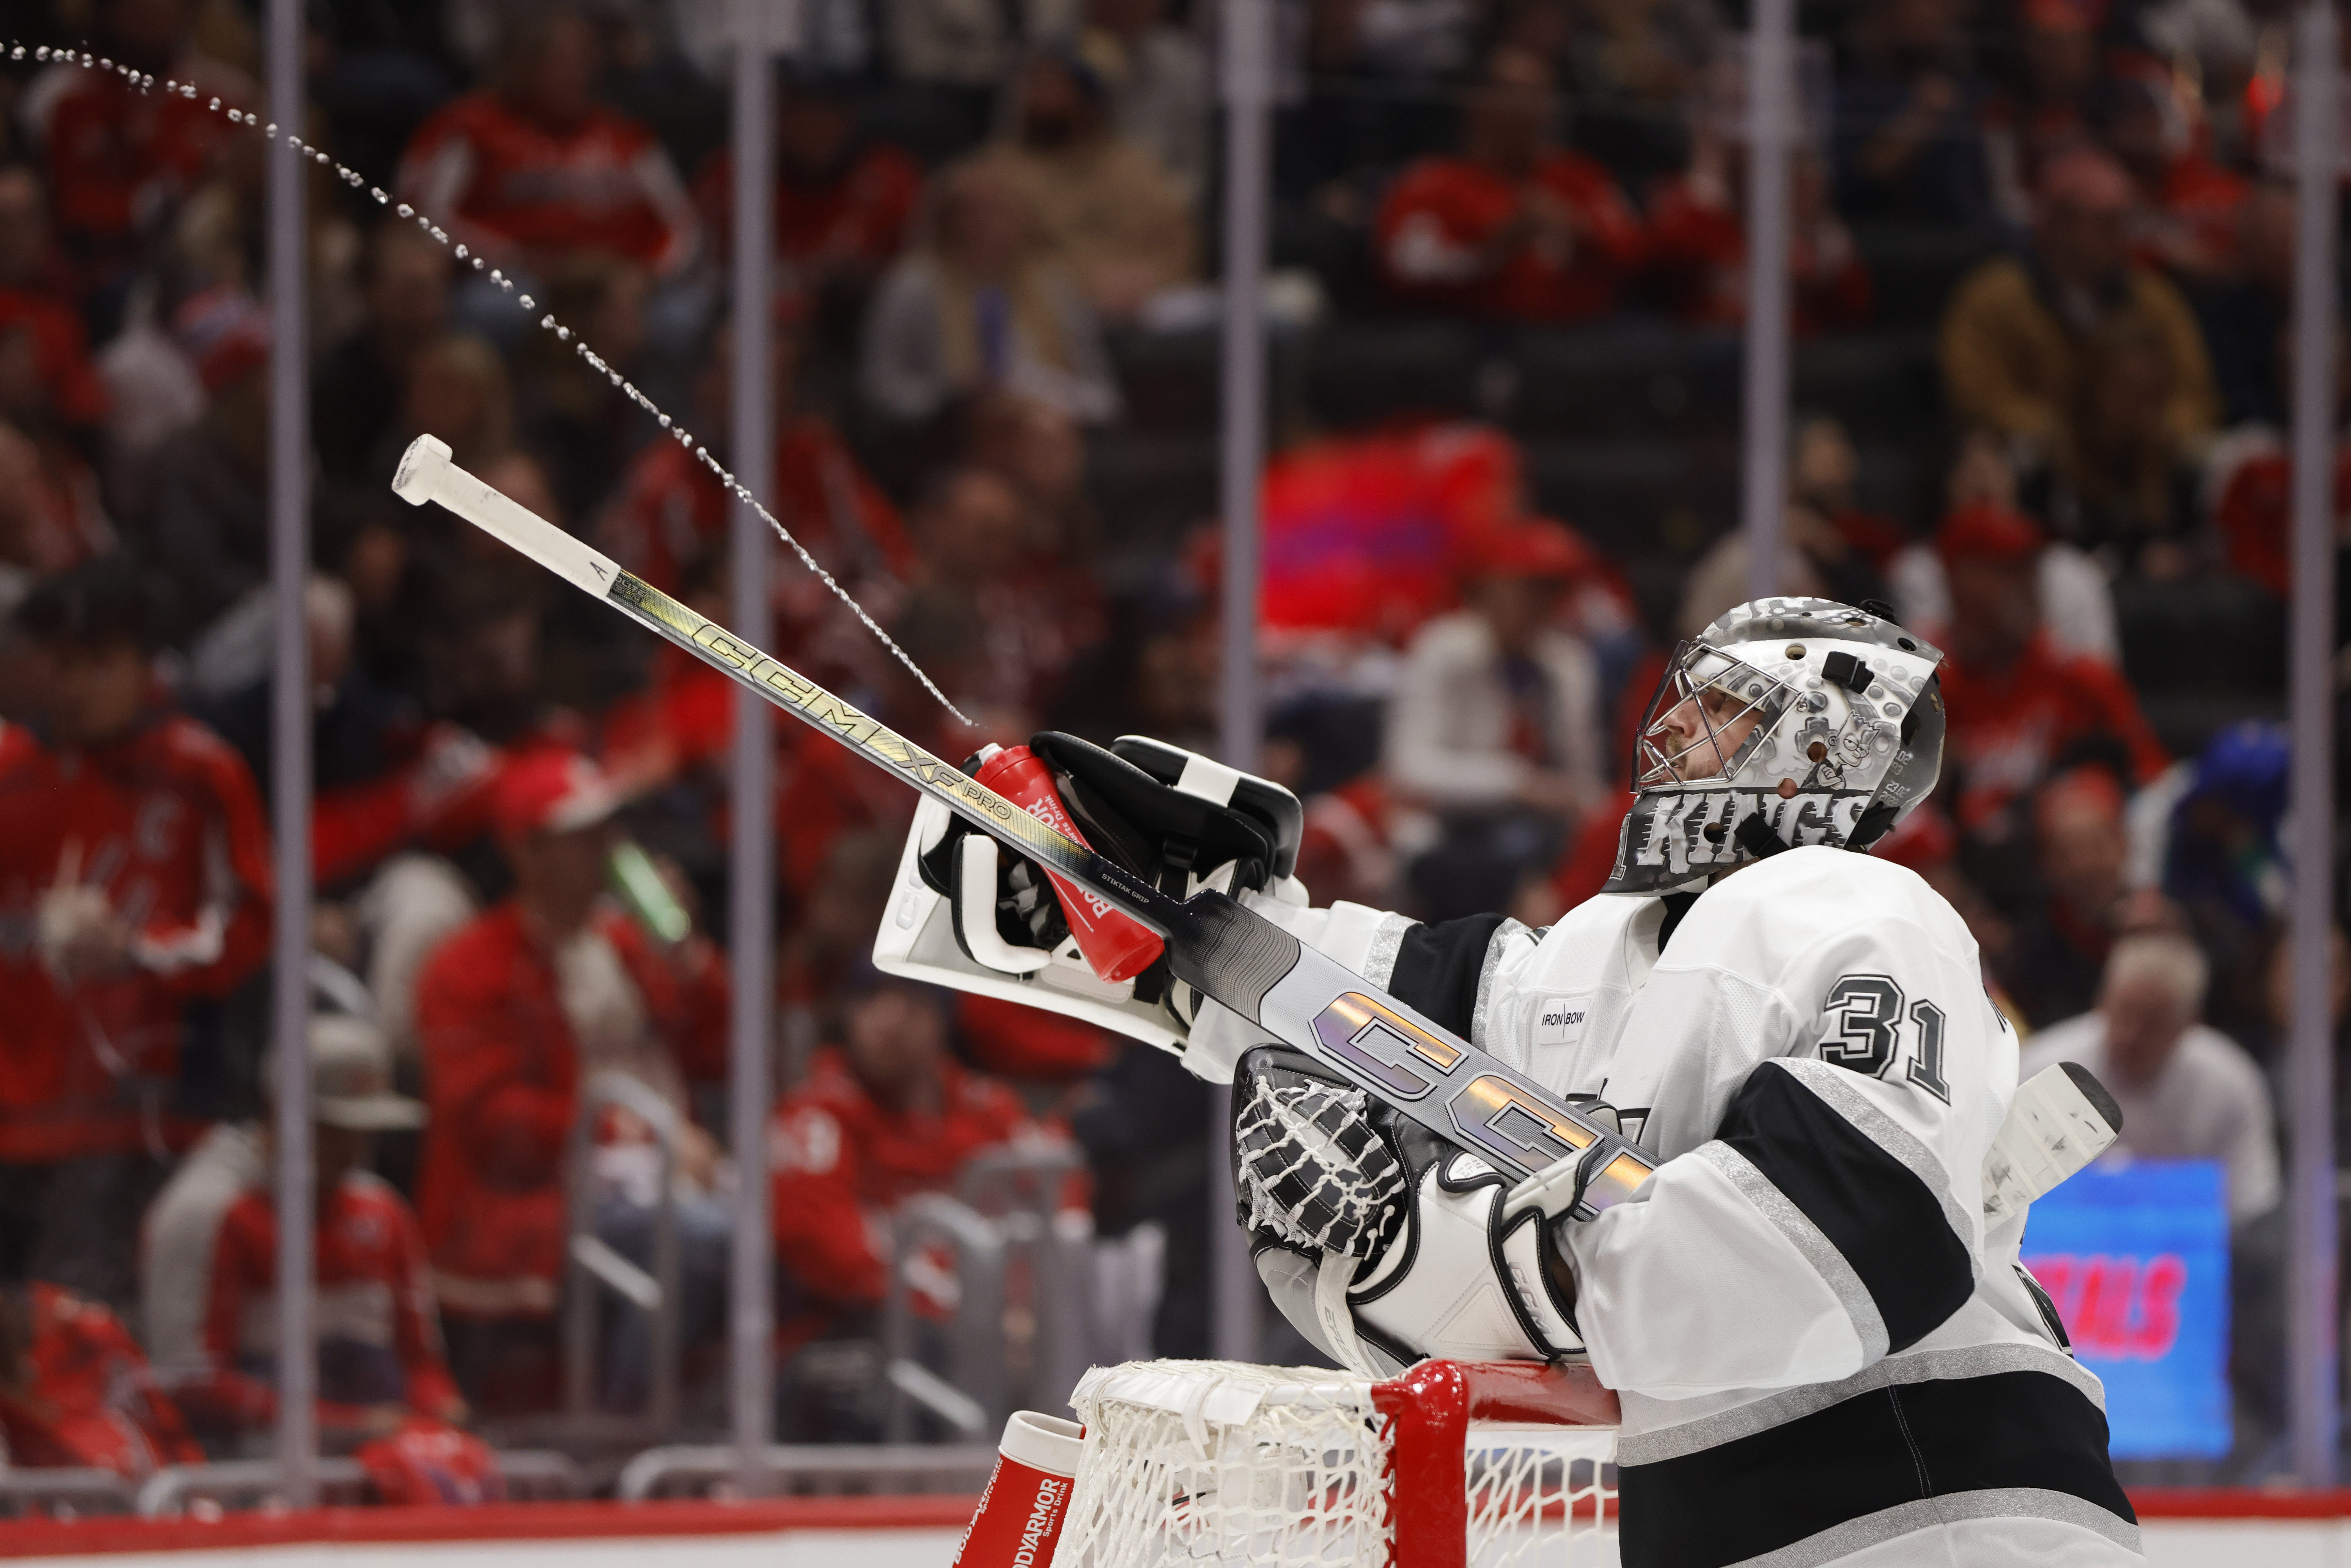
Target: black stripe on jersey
pixel 1438 967
pixel 1870 1206
pixel 1875 1450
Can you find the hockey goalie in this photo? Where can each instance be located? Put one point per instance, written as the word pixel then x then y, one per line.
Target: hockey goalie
pixel 1813 1311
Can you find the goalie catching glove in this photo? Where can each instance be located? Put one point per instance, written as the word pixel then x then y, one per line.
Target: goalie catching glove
pixel 1380 1241
pixel 969 914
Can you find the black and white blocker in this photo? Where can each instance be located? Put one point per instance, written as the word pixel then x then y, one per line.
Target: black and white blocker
pixel 1826 1349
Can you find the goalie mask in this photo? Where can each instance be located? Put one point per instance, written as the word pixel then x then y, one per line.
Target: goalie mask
pixel 1787 722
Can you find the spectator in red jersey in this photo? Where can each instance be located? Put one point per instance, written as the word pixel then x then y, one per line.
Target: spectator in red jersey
pixel 382 779
pixel 30 261
pixel 1698 239
pixel 672 514
pixel 134 881
pixel 886 1114
pixel 121 160
pixel 2018 707
pixel 53 400
pixel 76 1392
pixel 1514 226
pixel 842 200
pixel 2082 848
pixel 534 170
pixel 2191 209
pixel 377 1329
pixel 2249 488
pixel 50 516
pixel 514 1013
pixel 47 379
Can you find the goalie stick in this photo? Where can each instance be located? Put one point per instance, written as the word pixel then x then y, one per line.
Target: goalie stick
pixel 1304 998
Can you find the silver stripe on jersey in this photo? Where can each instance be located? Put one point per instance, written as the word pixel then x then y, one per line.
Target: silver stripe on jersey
pixel 1917 1366
pixel 1868 1324
pixel 1387 939
pixel 1905 1519
pixel 1835 1085
pixel 1477 1012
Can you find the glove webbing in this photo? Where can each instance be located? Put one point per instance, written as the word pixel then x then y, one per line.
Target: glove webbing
pixel 1316 1174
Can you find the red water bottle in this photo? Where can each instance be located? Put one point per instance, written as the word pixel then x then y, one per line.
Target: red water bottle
pixel 1027 1497
pixel 1117 946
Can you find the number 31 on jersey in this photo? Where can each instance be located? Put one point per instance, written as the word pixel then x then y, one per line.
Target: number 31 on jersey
pixel 1866 1019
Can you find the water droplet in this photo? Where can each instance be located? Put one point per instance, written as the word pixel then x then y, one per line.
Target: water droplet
pixel 563 334
pixel 214 106
pixel 524 301
pixel 664 422
pixel 270 130
pixel 479 263
pixel 381 195
pixel 462 253
pixel 42 53
pixel 546 322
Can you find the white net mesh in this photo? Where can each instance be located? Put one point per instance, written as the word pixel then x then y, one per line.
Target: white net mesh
pixel 1202 1461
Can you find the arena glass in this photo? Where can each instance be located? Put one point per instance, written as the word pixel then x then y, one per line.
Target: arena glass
pixel 1301 997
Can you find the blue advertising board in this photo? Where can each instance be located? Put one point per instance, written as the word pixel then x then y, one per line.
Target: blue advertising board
pixel 2136 1255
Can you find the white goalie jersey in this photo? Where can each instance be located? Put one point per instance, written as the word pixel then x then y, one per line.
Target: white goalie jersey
pixel 1824 1350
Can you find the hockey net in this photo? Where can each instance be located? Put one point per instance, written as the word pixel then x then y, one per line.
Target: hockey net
pixel 1470 1463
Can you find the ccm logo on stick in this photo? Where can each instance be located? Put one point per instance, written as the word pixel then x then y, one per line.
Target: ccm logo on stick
pixel 1377 1042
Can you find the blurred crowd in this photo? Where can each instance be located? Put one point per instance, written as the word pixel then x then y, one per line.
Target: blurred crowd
pixel 2048 240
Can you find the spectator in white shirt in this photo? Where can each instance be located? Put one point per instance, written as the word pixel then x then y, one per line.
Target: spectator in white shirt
pixel 2187 1090
pixel 1495 723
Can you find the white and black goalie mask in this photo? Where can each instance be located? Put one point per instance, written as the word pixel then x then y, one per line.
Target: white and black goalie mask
pixel 1787 722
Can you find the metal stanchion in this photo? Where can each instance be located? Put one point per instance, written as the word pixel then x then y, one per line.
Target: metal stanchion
pixel 1248 169
pixel 1770 117
pixel 289 741
pixel 2311 1321
pixel 752 873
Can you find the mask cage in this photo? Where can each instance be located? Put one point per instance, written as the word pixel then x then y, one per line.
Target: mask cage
pixel 1736 706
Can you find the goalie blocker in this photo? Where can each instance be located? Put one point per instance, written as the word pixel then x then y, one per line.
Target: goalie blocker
pixel 966 912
